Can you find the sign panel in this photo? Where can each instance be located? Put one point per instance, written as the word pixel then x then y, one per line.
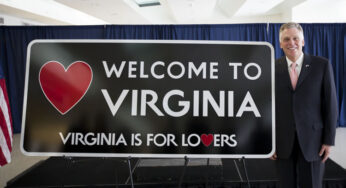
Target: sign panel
pixel 143 98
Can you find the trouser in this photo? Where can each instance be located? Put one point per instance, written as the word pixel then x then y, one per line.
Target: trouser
pixel 297 172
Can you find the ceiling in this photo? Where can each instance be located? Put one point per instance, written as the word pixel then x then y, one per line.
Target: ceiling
pixel 94 12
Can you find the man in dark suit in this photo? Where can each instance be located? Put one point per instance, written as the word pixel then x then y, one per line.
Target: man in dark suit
pixel 306 112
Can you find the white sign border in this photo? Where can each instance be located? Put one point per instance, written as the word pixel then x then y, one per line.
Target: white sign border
pixel 140 155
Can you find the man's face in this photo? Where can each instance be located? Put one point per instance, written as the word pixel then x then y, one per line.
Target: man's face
pixel 292 43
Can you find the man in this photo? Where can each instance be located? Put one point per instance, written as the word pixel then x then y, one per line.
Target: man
pixel 306 112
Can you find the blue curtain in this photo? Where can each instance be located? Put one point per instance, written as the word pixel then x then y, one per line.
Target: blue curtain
pixel 326 40
pixel 234 32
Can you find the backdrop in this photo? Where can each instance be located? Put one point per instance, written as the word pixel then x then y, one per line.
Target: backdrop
pixel 327 40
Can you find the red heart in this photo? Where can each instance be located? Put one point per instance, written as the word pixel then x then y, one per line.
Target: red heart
pixel 64 88
pixel 207 139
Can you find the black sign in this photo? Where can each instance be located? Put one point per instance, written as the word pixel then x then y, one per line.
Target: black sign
pixel 149 99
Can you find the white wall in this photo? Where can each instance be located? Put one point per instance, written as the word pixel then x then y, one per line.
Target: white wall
pixel 302 11
pixel 316 11
pixel 10 20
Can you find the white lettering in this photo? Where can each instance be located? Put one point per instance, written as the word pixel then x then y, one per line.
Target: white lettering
pixel 64 140
pixel 169 70
pixel 259 71
pixel 251 108
pixel 151 103
pixel 184 104
pixel 114 107
pixel 208 98
pixel 197 71
pixel 235 69
pixel 132 69
pixel 114 69
pixel 213 70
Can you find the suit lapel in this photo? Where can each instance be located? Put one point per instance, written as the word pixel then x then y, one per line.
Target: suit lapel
pixel 282 69
pixel 305 70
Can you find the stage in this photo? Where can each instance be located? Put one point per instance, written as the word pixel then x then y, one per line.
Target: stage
pixel 114 172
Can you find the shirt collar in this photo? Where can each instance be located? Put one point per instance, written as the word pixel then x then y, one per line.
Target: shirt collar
pixel 299 61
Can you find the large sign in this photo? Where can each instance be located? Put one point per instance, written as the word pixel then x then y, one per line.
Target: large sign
pixel 144 98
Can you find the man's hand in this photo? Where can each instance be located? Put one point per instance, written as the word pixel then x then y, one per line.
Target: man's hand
pixel 325 151
pixel 274 157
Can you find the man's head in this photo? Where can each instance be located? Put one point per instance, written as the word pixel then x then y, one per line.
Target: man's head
pixel 292 40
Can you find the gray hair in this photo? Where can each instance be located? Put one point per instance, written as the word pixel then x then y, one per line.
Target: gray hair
pixel 290 25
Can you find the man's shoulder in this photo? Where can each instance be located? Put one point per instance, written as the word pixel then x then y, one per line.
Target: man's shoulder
pixel 316 59
pixel 281 59
pixel 318 62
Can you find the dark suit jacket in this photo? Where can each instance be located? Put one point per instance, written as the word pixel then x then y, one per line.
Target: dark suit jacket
pixel 309 111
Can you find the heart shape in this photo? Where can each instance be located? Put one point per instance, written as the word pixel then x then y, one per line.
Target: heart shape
pixel 64 88
pixel 207 139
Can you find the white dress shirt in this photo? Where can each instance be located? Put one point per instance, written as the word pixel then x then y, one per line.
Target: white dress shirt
pixel 299 64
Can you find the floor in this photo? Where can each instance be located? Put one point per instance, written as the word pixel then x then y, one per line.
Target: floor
pixel 20 162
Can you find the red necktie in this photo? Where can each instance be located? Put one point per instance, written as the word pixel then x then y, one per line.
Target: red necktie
pixel 294 75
